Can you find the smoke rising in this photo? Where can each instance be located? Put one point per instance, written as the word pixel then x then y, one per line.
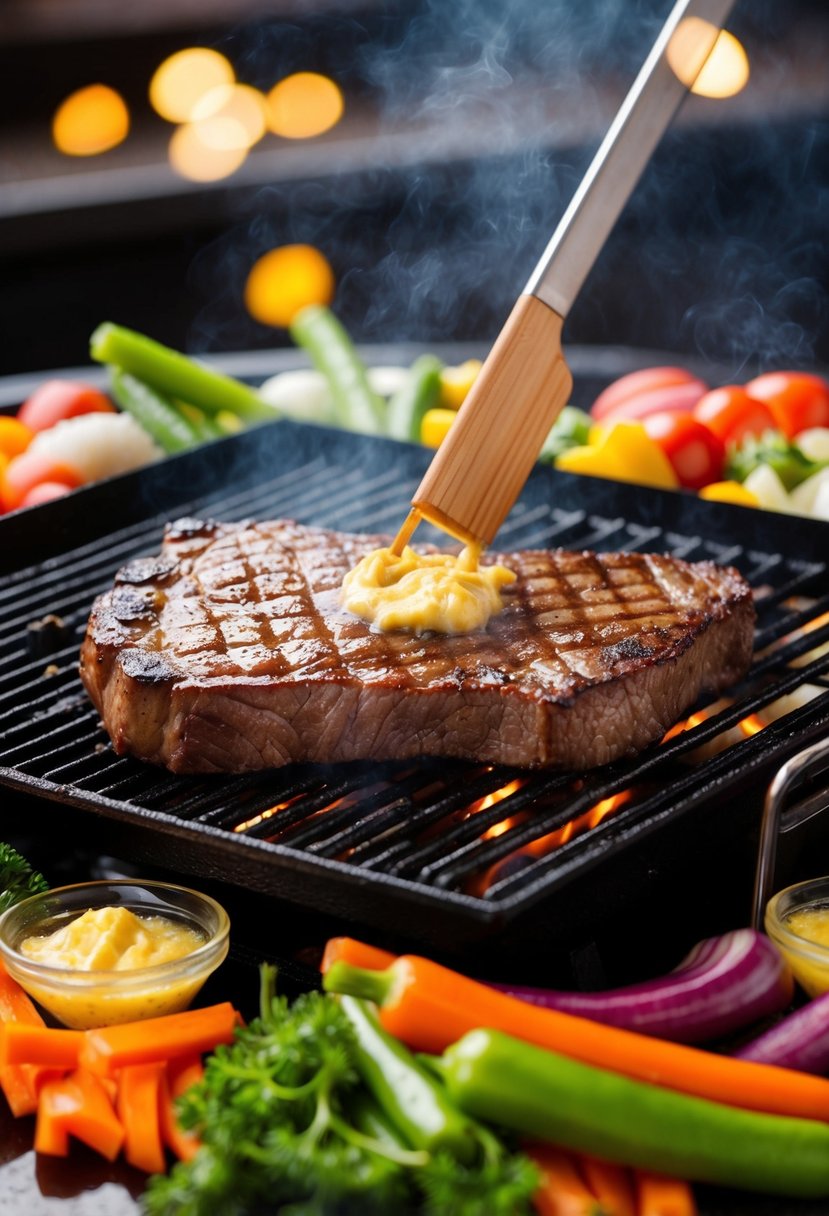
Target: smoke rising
pixel 721 253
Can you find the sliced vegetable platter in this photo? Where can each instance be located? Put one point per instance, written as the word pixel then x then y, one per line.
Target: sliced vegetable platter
pixel 763 444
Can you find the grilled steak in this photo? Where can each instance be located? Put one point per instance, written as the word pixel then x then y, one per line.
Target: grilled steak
pixel 230 652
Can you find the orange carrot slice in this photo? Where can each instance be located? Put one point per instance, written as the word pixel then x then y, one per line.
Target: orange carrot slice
pixel 359 954
pixel 139 1090
pixel 563 1191
pixel 658 1195
pixel 158 1039
pixel 178 1077
pixel 80 1106
pixel 611 1184
pixel 21 1044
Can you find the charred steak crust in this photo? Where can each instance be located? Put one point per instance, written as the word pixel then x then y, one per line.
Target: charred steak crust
pixel 229 652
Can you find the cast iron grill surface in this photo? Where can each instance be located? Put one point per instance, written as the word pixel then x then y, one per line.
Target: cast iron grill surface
pixel 473 844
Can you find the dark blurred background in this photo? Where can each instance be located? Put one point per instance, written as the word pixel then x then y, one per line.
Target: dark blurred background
pixel 466 127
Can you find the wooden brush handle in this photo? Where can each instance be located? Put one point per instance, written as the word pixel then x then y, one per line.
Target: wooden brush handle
pixel 481 466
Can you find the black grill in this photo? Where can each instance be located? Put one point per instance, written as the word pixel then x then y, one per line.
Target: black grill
pixel 462 848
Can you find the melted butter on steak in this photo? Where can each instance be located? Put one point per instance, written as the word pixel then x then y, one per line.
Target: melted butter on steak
pixel 229 652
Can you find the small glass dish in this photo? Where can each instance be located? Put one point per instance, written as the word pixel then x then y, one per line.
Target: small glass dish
pixel 785 912
pixel 82 999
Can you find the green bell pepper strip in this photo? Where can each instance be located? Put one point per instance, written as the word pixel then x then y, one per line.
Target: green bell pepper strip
pixel 154 412
pixel 541 1094
pixel 356 407
pixel 175 375
pixel 412 1100
pixel 419 393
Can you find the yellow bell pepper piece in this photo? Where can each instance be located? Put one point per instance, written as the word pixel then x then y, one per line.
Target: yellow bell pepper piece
pixel 455 383
pixel 435 425
pixel 729 491
pixel 624 452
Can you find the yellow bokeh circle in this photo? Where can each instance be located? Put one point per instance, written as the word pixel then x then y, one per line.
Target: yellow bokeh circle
pixel 209 150
pixel 90 121
pixel 181 81
pixel 286 279
pixel 304 105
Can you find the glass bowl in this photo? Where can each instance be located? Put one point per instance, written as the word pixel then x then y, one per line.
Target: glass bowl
pixel 82 999
pixel 808 959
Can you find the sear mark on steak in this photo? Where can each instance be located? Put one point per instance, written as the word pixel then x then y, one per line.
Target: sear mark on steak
pixel 241 657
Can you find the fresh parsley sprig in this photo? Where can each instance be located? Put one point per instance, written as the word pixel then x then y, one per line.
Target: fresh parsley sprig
pixel 281 1116
pixel 17 878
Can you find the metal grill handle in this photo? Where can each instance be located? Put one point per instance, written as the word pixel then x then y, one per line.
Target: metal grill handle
pixel 796 770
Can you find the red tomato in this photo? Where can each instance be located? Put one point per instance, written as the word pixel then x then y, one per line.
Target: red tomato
pixel 732 414
pixel 56 400
pixel 673 398
pixel 696 454
pixel 27 471
pixel 797 400
pixel 635 384
pixel 45 491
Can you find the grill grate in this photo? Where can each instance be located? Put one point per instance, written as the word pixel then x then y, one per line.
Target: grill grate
pixel 483 843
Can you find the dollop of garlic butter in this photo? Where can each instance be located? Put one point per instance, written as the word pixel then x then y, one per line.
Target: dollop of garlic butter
pixel 112 939
pixel 425 592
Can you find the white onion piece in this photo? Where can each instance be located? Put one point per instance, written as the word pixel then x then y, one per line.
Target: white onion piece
pixel 97 445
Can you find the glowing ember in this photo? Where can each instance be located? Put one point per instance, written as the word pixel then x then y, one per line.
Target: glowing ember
pixel 263 815
pixel 752 725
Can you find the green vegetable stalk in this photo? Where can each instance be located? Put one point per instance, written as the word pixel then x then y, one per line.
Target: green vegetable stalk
pixel 419 393
pixel 17 878
pixel 174 375
pixel 312 1107
pixel 154 412
pixel 549 1097
pixel 356 407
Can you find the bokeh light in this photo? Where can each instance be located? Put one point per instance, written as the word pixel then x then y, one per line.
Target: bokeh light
pixel 286 279
pixel 209 150
pixel 181 81
pixel 243 106
pixel 724 72
pixel 304 105
pixel 90 121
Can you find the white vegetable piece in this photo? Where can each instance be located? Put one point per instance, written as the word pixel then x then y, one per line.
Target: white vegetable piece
pixel 769 489
pixel 386 381
pixel 302 395
pixel 811 497
pixel 814 443
pixel 97 445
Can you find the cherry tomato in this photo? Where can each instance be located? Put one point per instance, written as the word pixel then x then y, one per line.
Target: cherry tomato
pixel 27 471
pixel 732 414
pixel 638 384
pixel 45 491
pixel 14 436
pixel 798 400
pixel 696 454
pixel 56 400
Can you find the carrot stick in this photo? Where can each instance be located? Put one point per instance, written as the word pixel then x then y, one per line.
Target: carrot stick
pixel 21 1044
pixel 15 1005
pixel 158 1039
pixel 658 1195
pixel 178 1077
pixel 610 1183
pixel 81 1106
pixel 19 1084
pixel 51 1136
pixel 562 1192
pixel 139 1088
pixel 359 954
pixel 429 1007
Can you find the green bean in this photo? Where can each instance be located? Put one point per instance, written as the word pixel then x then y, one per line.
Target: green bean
pixel 419 394
pixel 356 407
pixel 175 375
pixel 155 413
